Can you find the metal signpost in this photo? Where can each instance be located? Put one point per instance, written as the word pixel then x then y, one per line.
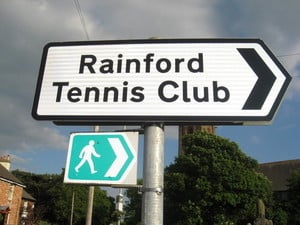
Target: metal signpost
pixel 152 82
pixel 153 175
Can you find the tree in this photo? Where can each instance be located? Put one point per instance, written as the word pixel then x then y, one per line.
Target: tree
pixel 133 210
pixel 54 199
pixel 294 198
pixel 279 209
pixel 213 183
pixel 103 209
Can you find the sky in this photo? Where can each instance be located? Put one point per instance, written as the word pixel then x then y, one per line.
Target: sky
pixel 26 26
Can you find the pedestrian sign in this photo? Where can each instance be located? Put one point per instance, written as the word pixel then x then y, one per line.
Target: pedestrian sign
pixel 102 158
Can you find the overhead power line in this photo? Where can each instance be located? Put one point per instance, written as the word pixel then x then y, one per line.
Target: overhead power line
pixel 79 11
pixel 287 55
pixel 82 21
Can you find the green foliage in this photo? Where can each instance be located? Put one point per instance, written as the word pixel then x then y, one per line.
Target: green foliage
pixel 279 212
pixel 104 208
pixel 43 223
pixel 280 216
pixel 294 198
pixel 54 200
pixel 213 183
pixel 134 207
pixel 286 204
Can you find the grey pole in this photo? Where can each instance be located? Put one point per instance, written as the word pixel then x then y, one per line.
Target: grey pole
pixel 89 213
pixel 153 175
pixel 72 208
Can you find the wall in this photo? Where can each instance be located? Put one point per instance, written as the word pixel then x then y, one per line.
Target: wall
pixel 11 195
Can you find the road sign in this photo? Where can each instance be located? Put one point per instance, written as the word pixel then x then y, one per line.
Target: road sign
pixel 171 81
pixel 102 158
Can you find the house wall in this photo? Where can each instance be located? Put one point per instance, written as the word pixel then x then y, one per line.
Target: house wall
pixel 11 195
pixel 27 210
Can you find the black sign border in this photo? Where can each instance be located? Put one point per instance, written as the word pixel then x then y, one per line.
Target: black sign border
pixel 168 120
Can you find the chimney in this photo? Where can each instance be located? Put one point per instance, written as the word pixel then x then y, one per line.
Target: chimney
pixel 5 161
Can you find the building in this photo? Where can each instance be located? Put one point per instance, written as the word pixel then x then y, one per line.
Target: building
pixel 14 200
pixel 27 207
pixel 189 129
pixel 279 173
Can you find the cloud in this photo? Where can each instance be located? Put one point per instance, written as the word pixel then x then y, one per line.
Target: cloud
pixel 255 140
pixel 260 19
pixel 292 63
pixel 27 25
pixel 144 19
pixel 20 132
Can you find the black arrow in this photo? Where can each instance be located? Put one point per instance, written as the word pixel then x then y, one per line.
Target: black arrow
pixel 264 82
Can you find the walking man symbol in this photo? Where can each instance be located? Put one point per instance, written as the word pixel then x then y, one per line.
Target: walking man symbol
pixel 86 155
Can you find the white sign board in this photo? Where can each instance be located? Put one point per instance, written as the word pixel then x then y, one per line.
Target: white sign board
pixel 172 81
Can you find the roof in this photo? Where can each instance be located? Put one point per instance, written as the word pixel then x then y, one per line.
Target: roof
pixel 279 172
pixel 9 177
pixel 27 196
